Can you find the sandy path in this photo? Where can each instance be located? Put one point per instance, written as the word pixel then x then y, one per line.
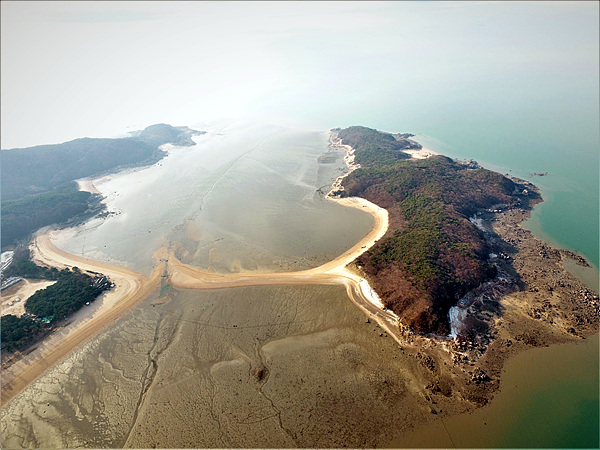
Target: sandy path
pixel 188 277
pixel 333 272
pixel 131 287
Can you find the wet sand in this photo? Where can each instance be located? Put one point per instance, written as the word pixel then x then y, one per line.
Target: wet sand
pixel 185 276
pixel 275 366
pixel 275 359
pixel 130 288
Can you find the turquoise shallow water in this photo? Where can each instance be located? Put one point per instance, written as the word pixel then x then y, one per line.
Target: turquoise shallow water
pixel 551 397
pixel 568 217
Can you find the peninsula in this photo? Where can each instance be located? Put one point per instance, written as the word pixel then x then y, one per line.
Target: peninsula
pixel 447 271
pixel 455 264
pixel 38 183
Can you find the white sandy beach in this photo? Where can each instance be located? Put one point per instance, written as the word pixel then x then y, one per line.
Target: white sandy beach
pixel 422 153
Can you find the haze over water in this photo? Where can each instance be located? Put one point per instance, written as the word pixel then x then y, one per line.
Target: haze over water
pixel 513 85
pixel 245 197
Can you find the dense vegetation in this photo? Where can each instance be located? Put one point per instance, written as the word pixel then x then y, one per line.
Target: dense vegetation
pixel 37 182
pixel 19 332
pixel 23 216
pixel 22 266
pixel 432 255
pixel 377 148
pixel 72 290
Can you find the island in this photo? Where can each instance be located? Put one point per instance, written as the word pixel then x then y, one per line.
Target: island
pixel 468 283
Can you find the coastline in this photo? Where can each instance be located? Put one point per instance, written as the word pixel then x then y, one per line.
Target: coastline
pixel 130 288
pixel 528 318
pixel 452 377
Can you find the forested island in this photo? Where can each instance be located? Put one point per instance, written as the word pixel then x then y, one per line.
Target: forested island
pixel 432 254
pixel 38 187
pixel 437 252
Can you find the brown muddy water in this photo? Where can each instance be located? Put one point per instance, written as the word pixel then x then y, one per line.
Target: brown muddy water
pixel 548 399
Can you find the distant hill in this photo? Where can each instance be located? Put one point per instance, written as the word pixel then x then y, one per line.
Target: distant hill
pixel 34 170
pixel 162 133
pixel 37 182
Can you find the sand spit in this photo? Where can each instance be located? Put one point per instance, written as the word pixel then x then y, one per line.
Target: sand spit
pixel 238 369
pixel 131 287
pixel 333 272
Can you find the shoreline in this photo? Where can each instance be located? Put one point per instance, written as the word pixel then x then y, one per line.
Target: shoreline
pixel 472 370
pixel 130 288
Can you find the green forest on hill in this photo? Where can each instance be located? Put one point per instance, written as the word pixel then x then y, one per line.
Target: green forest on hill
pixel 432 254
pixel 48 306
pixel 37 182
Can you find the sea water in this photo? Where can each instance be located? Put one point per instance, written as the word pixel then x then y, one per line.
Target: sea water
pixel 245 197
pixel 561 408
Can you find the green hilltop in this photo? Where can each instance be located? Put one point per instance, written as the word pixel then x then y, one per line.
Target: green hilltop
pixel 38 186
pixel 432 254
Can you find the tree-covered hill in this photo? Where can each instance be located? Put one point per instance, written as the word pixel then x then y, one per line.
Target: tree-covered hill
pixel 37 182
pixel 47 307
pixel 376 148
pixel 432 254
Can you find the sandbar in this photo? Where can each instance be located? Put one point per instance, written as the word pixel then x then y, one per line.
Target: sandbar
pixel 130 288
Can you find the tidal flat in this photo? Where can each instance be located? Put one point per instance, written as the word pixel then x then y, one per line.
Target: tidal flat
pixel 286 366
pixel 246 367
pixel 245 197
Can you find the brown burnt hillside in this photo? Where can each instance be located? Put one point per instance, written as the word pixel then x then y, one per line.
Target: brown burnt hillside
pixel 432 254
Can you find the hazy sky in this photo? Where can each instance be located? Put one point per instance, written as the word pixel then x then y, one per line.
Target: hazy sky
pixel 72 69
